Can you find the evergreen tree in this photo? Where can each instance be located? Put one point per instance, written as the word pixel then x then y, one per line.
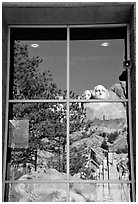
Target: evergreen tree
pixel 29 83
pixel 47 121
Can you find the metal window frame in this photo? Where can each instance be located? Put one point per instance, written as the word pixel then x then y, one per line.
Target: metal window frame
pixel 68 101
pixel 130 116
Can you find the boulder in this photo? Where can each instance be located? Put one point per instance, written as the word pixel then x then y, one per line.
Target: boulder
pixel 50 192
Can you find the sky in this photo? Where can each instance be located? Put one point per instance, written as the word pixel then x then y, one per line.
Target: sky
pixel 90 63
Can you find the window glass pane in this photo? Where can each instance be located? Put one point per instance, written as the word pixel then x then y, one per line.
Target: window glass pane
pixel 37 139
pixel 37 192
pixel 99 141
pixel 96 60
pixel 100 192
pixel 98 131
pixel 38 65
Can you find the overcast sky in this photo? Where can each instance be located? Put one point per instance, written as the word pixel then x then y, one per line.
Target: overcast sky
pixel 90 63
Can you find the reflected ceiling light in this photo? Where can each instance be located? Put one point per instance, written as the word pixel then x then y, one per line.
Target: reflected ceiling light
pixel 34 45
pixel 105 44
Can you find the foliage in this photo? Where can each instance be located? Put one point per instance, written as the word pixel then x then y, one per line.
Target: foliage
pixel 122 150
pixel 29 83
pixel 112 137
pixel 88 125
pixel 77 158
pixel 104 145
pixel 77 118
pixel 47 121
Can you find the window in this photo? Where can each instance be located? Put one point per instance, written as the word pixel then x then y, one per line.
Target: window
pixel 69 126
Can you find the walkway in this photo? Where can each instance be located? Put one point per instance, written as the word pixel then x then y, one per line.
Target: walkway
pixel 113 192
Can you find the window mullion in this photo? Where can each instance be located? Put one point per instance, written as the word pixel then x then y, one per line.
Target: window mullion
pixel 6 116
pixel 68 55
pixel 130 116
pixel 71 181
pixel 37 101
pixel 130 138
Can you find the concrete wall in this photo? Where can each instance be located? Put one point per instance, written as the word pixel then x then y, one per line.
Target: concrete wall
pixel 35 14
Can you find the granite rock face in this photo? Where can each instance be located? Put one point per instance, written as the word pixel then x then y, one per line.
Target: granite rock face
pixel 106 110
pixel 120 89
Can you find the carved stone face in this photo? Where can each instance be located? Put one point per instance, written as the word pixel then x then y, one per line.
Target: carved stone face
pixel 100 92
pixel 86 94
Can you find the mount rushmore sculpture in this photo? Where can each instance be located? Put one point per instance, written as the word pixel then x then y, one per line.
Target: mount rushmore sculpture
pixel 103 110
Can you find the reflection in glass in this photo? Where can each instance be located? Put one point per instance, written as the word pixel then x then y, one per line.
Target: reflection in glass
pixel 92 65
pixel 98 141
pixel 37 139
pixel 39 72
pixel 37 192
pixel 100 192
pixel 19 133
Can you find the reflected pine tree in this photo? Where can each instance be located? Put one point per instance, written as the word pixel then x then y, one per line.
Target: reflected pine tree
pixel 47 121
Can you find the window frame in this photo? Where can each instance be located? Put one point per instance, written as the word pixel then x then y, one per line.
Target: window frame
pixel 68 101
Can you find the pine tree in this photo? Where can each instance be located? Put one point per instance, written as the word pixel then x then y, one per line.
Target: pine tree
pixel 29 83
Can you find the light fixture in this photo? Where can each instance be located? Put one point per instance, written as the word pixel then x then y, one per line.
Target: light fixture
pixel 34 45
pixel 105 44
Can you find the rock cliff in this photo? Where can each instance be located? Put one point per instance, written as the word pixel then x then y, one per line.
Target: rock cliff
pixel 108 110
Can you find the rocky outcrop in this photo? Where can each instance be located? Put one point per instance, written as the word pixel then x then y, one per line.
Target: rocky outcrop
pixel 50 191
pixel 120 89
pixel 106 110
